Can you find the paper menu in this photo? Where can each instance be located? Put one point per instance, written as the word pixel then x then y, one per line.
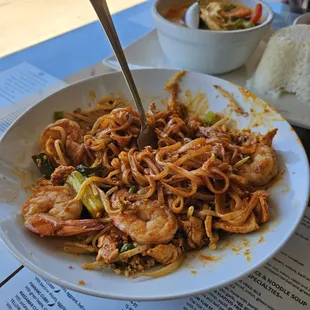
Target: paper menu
pixel 21 81
pixel 283 283
pixel 20 88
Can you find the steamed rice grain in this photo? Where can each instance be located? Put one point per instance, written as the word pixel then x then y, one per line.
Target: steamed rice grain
pixel 285 65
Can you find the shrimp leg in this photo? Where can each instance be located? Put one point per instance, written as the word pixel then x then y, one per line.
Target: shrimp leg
pixel 46 225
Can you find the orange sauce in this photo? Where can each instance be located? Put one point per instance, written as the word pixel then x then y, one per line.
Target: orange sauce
pixel 261 239
pixel 265 228
pixel 246 242
pixel 27 179
pixel 197 104
pixel 247 255
pixel 92 94
pixel 276 179
pixel 176 14
pixel 236 248
pixel 209 258
pixel 246 94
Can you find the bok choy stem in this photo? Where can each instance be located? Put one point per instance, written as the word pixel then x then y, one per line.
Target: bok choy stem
pixel 91 201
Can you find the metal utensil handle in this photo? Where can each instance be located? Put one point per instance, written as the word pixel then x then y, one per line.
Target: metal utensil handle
pixel 105 18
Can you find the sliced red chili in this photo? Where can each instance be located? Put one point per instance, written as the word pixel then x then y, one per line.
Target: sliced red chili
pixel 239 12
pixel 257 13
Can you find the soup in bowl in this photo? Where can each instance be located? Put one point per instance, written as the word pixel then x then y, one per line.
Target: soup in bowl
pixel 228 33
pixel 219 15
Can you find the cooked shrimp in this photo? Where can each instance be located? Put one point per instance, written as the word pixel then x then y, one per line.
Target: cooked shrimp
pixel 239 12
pixel 148 222
pixel 54 200
pixel 47 225
pixel 263 166
pixel 51 211
pixel 60 174
pixel 212 17
pixel 62 141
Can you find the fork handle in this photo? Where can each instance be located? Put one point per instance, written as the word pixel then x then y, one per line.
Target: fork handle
pixel 106 21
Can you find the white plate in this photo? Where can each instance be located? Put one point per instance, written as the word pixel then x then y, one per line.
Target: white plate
pixel 45 255
pixel 147 53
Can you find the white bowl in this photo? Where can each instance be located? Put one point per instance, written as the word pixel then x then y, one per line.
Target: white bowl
pixel 302 19
pixel 211 52
pixel 45 256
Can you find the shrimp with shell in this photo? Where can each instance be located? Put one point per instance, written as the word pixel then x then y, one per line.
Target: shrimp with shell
pixel 146 221
pixel 263 165
pixel 62 142
pixel 52 211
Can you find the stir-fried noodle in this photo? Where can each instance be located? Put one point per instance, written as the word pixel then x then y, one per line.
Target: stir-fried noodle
pixel 136 208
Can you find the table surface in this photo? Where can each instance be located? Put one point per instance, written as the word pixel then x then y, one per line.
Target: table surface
pixel 80 49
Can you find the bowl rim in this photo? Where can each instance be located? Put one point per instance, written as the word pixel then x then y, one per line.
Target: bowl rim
pixel 159 17
pixel 117 296
pixel 296 21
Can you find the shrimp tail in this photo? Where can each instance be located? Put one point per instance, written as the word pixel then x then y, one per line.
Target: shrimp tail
pixel 46 225
pixel 268 137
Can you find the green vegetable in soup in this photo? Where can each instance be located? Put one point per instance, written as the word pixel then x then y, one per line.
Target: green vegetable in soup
pixel 248 24
pixel 240 23
pixel 229 8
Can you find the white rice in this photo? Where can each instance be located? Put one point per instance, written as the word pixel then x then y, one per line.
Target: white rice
pixel 285 65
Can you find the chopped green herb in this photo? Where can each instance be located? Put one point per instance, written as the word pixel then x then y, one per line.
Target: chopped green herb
pixel 86 171
pixel 132 189
pixel 126 247
pixel 239 23
pixel 217 155
pixel 58 115
pixel 248 24
pixel 229 8
pixel 44 164
pixel 210 118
